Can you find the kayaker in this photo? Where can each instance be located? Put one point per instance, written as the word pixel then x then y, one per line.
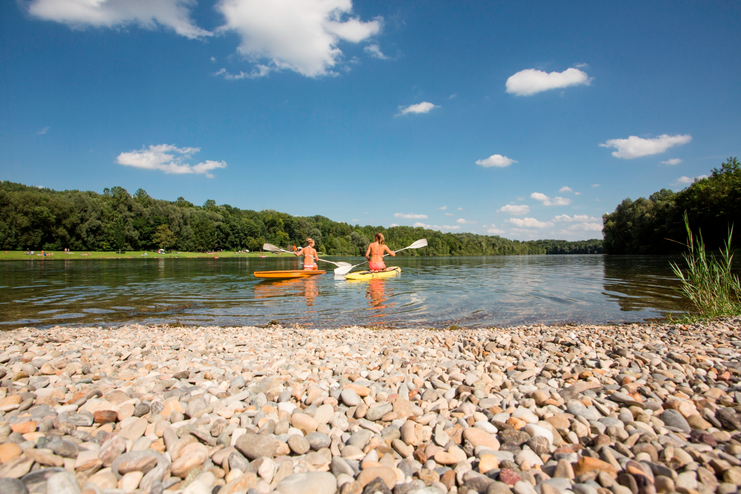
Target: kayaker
pixel 310 255
pixel 375 253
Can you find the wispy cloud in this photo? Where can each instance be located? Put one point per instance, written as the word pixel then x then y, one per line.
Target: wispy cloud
pixel 550 201
pixel 43 131
pixel 436 227
pixel 531 81
pixel 443 208
pixel 298 35
pixel 424 107
pixel 173 14
pixel 257 72
pixel 496 160
pixel 375 51
pixel 565 218
pixel 465 222
pixel 528 223
pixel 169 159
pixel 411 216
pixel 688 180
pixel 672 162
pixel 493 230
pixel 515 209
pixel 635 147
pixel 565 189
pixel 595 185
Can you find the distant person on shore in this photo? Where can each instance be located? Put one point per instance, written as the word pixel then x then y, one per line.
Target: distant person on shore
pixel 310 255
pixel 375 253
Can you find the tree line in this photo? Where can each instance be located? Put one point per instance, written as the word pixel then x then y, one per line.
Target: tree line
pixel 655 225
pixel 33 218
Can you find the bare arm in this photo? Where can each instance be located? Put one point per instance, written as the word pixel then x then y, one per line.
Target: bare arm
pixel 391 252
pixel 298 252
pixel 368 252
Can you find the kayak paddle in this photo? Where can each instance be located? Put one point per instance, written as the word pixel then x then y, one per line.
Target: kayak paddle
pixel 342 271
pixel 273 248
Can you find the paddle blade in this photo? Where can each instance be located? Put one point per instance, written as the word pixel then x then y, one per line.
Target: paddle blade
pixel 271 248
pixel 342 271
pixel 422 242
pixel 343 264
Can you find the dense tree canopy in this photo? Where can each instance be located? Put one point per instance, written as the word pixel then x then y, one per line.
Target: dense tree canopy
pixel 654 225
pixel 39 218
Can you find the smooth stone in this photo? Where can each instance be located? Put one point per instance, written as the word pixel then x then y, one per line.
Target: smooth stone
pixel 308 483
pixel 349 397
pixel 62 483
pixel 12 486
pixel 254 446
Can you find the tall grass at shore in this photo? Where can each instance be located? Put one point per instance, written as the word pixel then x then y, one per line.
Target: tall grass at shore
pixel 708 282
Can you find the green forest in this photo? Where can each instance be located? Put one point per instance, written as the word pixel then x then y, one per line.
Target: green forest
pixel 655 225
pixel 34 218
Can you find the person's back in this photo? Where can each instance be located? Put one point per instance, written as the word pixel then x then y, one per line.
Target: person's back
pixel 310 255
pixel 375 253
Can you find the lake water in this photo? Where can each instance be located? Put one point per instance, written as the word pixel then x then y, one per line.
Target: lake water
pixel 431 292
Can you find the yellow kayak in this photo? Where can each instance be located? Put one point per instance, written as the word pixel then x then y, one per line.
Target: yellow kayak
pixel 369 275
pixel 288 273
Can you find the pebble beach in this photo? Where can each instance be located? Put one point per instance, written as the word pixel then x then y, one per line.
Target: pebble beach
pixel 621 409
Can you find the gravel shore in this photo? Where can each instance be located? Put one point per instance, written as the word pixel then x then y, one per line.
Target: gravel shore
pixel 626 409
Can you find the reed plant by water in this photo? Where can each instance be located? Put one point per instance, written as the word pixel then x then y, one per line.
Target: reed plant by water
pixel 708 282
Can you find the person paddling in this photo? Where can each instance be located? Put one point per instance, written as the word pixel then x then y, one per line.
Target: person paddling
pixel 375 253
pixel 310 255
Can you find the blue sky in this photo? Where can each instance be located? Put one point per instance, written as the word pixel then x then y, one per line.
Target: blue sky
pixel 522 119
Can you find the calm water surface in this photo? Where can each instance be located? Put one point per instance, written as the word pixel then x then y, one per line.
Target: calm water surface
pixel 431 292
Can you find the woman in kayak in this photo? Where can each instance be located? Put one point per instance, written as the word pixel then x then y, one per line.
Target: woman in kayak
pixel 310 255
pixel 375 253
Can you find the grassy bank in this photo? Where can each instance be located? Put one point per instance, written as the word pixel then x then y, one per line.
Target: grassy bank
pixel 64 256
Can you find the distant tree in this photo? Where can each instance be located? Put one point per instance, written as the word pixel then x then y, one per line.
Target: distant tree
pixel 164 237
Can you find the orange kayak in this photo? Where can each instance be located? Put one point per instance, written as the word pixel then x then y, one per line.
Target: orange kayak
pixel 288 273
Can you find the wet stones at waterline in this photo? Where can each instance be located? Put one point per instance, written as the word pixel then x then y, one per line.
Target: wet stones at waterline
pixel 632 409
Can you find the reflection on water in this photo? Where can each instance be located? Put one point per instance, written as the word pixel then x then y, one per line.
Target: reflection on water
pixel 437 292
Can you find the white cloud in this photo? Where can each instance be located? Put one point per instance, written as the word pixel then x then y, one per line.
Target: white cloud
pixel 565 189
pixel 586 227
pixel 453 96
pixel 595 185
pixel 531 81
pixel 493 230
pixel 495 160
pixel 174 14
pixel 465 222
pixel 577 193
pixel 565 218
pixel 257 71
pixel 298 35
pixel 550 201
pixel 443 208
pixel 213 59
pixel 635 147
pixel 672 162
pixel 436 227
pixel 411 216
pixel 424 107
pixel 449 214
pixel 392 224
pixel 460 209
pixel 43 131
pixel 688 180
pixel 163 157
pixel 529 223
pixel 515 209
pixel 375 51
